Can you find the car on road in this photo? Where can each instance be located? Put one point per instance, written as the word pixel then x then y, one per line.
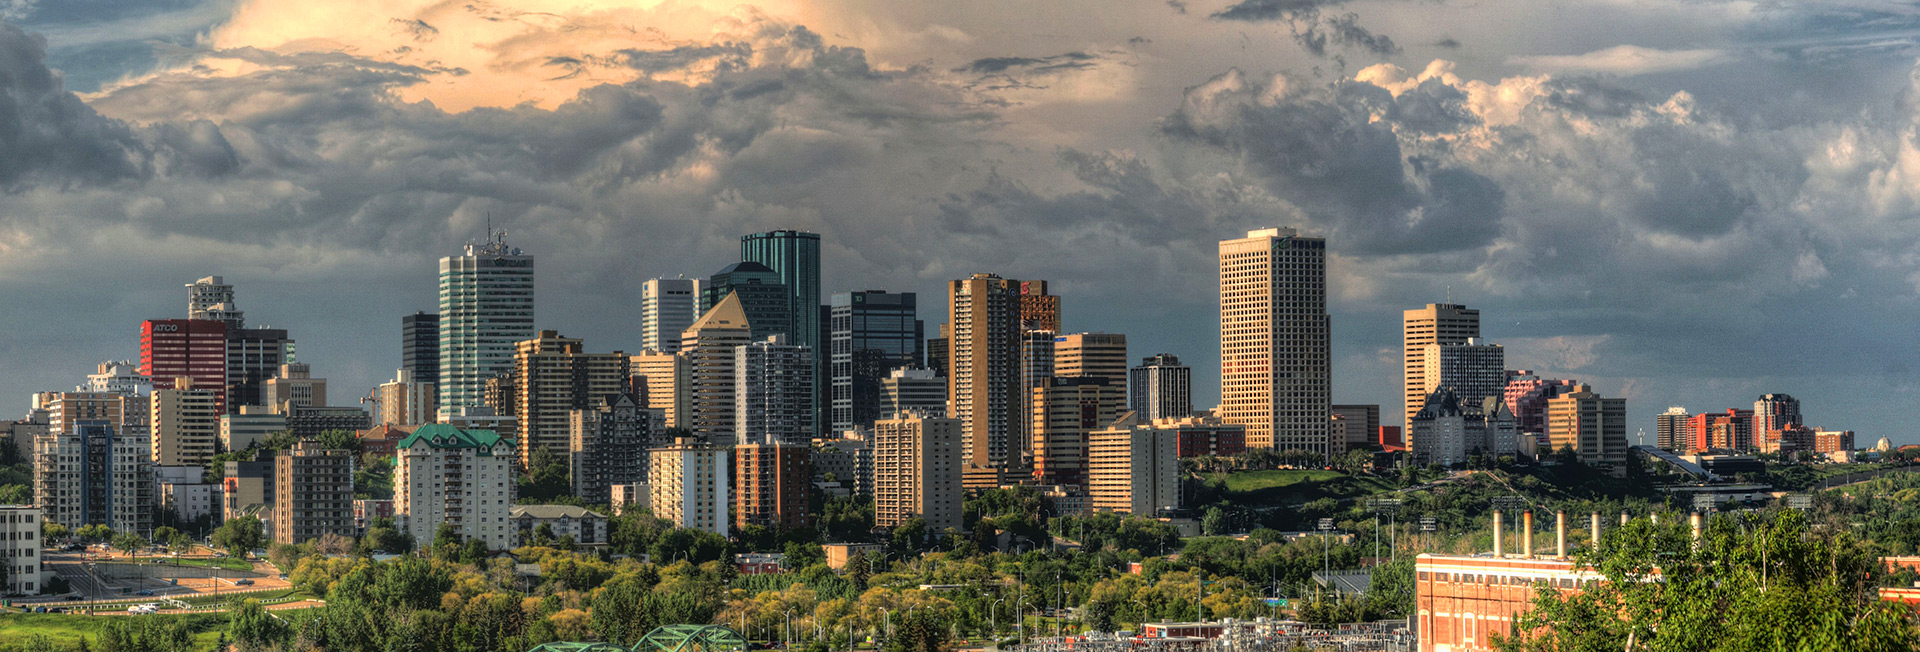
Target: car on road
pixel 74 598
pixel 144 592
pixel 243 583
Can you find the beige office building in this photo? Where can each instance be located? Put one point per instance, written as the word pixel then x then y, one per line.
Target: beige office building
pixel 708 347
pixel 1275 346
pixel 1593 426
pixel 1438 323
pixel 916 470
pixel 184 423
pixel 552 377
pixel 665 377
pixel 1063 413
pixel 1095 355
pixel 294 387
pixel 689 483
pixel 1134 468
pixel 983 321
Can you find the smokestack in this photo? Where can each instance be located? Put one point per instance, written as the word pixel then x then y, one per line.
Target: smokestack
pixel 1498 550
pixel 1595 531
pixel 1526 535
pixel 1696 529
pixel 1560 534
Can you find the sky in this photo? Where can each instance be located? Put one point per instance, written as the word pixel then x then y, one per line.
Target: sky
pixel 1682 202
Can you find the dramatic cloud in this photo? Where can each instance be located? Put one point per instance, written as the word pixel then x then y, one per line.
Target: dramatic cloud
pixel 1673 220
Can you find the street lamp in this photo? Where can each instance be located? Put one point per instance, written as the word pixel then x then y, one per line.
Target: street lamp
pixel 786 636
pixel 993 613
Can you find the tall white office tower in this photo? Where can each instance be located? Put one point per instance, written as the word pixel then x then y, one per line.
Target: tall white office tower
pixel 667 307
pixel 486 308
pixel 1275 339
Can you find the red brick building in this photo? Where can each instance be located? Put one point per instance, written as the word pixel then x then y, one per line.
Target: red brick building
pixel 381 440
pixel 186 348
pixel 1216 439
pixel 770 483
pixel 1462 601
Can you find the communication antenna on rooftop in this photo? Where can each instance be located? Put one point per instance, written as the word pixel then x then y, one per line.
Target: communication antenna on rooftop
pixel 1449 293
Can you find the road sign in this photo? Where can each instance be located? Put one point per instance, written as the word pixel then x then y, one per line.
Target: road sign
pixel 1326 524
pixel 1704 502
pixel 1384 505
pixel 1800 501
pixel 1429 523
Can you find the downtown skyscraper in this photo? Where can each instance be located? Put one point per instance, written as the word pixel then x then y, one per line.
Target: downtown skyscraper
pixel 983 385
pixel 667 307
pixel 1275 339
pixel 872 333
pixel 1444 324
pixel 795 257
pixel 486 309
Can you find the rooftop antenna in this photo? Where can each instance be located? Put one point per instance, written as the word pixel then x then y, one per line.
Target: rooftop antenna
pixel 1449 294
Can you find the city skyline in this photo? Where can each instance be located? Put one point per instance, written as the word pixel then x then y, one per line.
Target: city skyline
pixel 1105 155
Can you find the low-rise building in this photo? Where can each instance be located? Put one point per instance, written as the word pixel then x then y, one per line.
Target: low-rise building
pixel 760 563
pixel 587 527
pixel 838 553
pixel 382 439
pixel 253 423
pixel 365 510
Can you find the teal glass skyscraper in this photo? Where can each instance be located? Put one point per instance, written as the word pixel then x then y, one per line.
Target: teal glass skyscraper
pixel 486 307
pixel 795 256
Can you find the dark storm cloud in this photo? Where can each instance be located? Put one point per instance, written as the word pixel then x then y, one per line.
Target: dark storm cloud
pixel 1326 153
pixel 1313 28
pixel 46 134
pixel 1055 63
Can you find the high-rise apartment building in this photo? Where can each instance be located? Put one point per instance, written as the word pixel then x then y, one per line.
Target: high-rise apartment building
pixel 1471 370
pixel 1437 323
pixel 709 346
pixel 770 483
pixel 1593 426
pixel 121 412
pixel 872 333
pixel 94 473
pixel 552 377
pixel 294 387
pixel 1134 467
pixel 665 377
pixel 688 484
pixel 486 309
pixel 608 444
pixel 1670 429
pixel 983 320
pixel 1036 372
pixel 667 307
pixel 182 348
pixel 420 347
pixel 211 299
pixel 405 400
pixel 916 390
pixel 1774 412
pixel 1275 339
pixel 1160 388
pixel 254 355
pixel 464 478
pixel 314 489
pixel 20 549
pixel 1064 412
pixel 764 300
pixel 848 457
pixel 916 470
pixel 185 424
pixel 1092 355
pixel 773 392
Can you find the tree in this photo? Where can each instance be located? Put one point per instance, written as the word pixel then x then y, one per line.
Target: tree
pixel 919 630
pixel 340 439
pixel 1214 523
pixel 129 543
pixel 412 583
pixel 1762 581
pixel 237 536
pixel 856 571
pixel 547 477
pixel 51 532
pixel 253 628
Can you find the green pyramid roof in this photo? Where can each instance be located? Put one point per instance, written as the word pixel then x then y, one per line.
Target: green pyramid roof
pixel 440 435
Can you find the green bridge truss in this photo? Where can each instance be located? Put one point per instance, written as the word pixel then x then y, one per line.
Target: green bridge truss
pixel 668 638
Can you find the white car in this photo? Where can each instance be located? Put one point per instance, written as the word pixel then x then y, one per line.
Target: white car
pixel 142 609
